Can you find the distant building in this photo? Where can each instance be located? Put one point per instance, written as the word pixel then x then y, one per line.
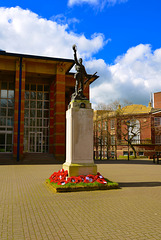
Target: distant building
pixel 157 100
pixel 34 94
pixel 133 129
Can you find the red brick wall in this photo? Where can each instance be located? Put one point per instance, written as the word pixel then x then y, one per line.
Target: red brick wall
pixel 22 110
pixel 145 125
pixel 157 100
pixel 59 113
pixel 15 136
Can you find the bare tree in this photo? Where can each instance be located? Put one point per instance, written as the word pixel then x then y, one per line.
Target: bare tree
pixel 113 105
pixel 132 134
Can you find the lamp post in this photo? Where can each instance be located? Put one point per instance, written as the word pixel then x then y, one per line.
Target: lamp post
pixel 128 125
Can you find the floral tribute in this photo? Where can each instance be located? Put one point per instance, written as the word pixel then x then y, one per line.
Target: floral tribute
pixel 61 178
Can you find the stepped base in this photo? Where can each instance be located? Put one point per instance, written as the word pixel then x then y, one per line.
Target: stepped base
pixel 80 169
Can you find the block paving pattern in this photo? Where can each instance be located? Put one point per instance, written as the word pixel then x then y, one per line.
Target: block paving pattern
pixel 29 210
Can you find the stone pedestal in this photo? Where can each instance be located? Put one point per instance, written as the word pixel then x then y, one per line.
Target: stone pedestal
pixel 79 139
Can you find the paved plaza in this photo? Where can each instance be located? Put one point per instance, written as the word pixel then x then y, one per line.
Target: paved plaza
pixel 30 210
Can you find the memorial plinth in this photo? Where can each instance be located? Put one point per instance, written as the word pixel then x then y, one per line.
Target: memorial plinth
pixel 79 139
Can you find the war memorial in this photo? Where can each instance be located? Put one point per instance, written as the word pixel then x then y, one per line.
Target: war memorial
pixel 79 170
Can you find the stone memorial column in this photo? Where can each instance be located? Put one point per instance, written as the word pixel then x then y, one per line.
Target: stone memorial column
pixel 79 139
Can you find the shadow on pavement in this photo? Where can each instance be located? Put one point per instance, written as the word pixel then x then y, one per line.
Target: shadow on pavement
pixel 139 184
pixel 138 161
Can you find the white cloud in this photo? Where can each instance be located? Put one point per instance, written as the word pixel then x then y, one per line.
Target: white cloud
pixel 62 19
pixel 134 76
pixel 99 3
pixel 25 32
pixel 78 2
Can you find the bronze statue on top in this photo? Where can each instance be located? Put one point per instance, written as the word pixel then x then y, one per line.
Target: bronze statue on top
pixel 80 75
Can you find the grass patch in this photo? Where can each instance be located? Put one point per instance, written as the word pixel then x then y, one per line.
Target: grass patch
pixel 73 187
pixel 132 157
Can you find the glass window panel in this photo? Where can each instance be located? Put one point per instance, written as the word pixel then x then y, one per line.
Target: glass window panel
pixel 4 85
pixel 2 148
pixel 45 131
pixel 43 148
pixel 32 95
pixel 39 122
pixel 26 86
pixel 9 149
pixel 26 104
pixel 32 122
pixel 10 93
pixel 3 112
pixel 9 138
pixel 26 121
pixel 46 105
pixel 3 102
pixel 11 121
pixel 2 129
pixel 39 113
pixel 46 113
pixel 3 93
pixel 46 96
pixel 45 122
pixel 26 113
pixel 2 121
pixel 39 95
pixel 10 112
pixel 10 102
pixel 26 95
pixel 33 87
pixel 39 104
pixel 46 88
pixel 32 113
pixel 11 86
pixel 40 88
pixel 33 104
pixel 8 121
pixel 2 138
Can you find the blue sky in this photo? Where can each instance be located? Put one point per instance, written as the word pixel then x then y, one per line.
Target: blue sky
pixel 120 39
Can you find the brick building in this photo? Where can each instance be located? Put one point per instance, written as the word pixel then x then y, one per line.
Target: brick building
pixel 34 94
pixel 134 129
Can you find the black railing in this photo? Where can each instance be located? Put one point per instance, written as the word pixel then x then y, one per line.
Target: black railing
pixel 135 142
pixel 157 157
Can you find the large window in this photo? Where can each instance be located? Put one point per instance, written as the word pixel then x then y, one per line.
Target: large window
pixel 112 139
pixel 157 121
pixel 36 125
pixel 6 116
pixel 158 139
pixel 134 131
pixel 112 123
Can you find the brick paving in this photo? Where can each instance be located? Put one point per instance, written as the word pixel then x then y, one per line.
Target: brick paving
pixel 30 210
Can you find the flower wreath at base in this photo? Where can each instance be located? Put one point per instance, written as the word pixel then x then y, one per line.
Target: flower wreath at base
pixel 61 178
